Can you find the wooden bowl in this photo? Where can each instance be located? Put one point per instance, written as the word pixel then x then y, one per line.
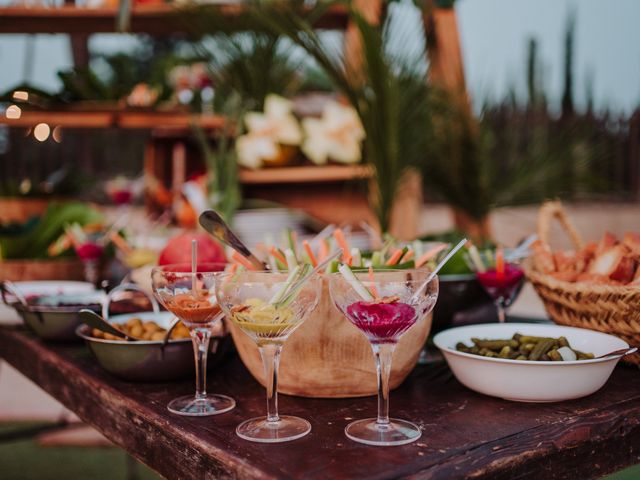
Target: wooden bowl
pixel 327 357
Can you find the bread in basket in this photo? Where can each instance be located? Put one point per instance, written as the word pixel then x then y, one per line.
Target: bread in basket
pixel 596 286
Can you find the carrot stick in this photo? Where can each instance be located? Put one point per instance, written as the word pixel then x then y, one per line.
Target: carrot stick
pixel 278 255
pixel 500 263
pixel 374 290
pixel 120 243
pixel 312 257
pixel 243 261
pixel 232 270
pixel 342 243
pixel 393 259
pixel 426 256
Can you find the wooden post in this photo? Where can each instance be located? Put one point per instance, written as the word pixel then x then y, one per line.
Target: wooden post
pixel 371 10
pixel 443 46
pixel 80 50
pixel 447 71
pixel 178 171
pixel 407 204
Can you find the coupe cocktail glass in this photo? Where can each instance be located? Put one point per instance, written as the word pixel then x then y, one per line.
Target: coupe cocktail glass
pixel 396 304
pixel 500 278
pixel 257 303
pixel 191 298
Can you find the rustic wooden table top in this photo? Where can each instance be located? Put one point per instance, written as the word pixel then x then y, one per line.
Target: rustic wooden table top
pixel 465 434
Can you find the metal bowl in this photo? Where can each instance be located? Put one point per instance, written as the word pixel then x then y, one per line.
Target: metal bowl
pixel 53 316
pixel 146 360
pixel 459 299
pixel 56 324
pixel 18 293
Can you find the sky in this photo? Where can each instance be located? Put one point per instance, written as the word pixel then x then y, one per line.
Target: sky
pixel 494 35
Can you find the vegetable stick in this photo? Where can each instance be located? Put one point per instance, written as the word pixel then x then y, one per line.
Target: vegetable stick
pixel 417 248
pixel 475 257
pixel 338 234
pixel 291 238
pixel 243 261
pixel 232 271
pixel 120 243
pixel 500 267
pixel 355 283
pixel 324 249
pixel 374 290
pixel 374 236
pixel 406 257
pixel 312 257
pixel 292 262
pixel 278 255
pixel 324 233
pixel 429 254
pixel 60 245
pixel 356 257
pixel 285 286
pixel 394 258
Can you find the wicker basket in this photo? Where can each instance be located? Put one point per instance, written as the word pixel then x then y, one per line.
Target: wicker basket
pixel 327 357
pixel 605 308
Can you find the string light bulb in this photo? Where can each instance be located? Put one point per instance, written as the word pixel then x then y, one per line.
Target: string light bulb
pixel 41 132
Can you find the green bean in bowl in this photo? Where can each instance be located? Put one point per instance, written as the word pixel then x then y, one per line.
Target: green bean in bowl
pixel 525 347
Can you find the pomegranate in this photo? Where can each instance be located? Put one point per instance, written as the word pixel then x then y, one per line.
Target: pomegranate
pixel 178 250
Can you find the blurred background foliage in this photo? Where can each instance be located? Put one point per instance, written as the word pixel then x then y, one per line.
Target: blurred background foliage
pixel 513 151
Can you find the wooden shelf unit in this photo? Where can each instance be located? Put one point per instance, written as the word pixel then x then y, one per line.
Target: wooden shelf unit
pixel 160 19
pixel 114 119
pixel 305 174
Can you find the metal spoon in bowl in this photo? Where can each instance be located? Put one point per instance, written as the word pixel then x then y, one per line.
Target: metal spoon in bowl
pixel 167 335
pixel 622 352
pixel 92 319
pixel 217 227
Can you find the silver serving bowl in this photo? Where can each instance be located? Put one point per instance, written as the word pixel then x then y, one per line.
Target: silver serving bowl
pixel 146 360
pixel 56 324
pixel 53 315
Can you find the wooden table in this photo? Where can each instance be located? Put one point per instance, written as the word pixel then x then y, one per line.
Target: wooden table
pixel 465 434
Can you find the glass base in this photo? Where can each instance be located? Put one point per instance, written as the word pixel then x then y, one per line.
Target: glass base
pixel 202 407
pixel 396 432
pixel 286 429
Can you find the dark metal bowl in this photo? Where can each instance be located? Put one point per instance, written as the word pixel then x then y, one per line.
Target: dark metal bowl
pixel 460 299
pixel 57 324
pixel 146 360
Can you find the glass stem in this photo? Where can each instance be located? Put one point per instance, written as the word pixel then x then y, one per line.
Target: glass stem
pixel 383 353
pixel 200 338
pixel 502 314
pixel 91 271
pixel 271 360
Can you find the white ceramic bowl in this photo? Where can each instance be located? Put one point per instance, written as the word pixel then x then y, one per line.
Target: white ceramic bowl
pixel 528 381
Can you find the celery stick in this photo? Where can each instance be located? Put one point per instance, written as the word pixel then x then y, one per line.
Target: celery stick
pixel 417 248
pixel 296 286
pixel 376 259
pixel 292 262
pixel 292 244
pixel 280 293
pixel 354 282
